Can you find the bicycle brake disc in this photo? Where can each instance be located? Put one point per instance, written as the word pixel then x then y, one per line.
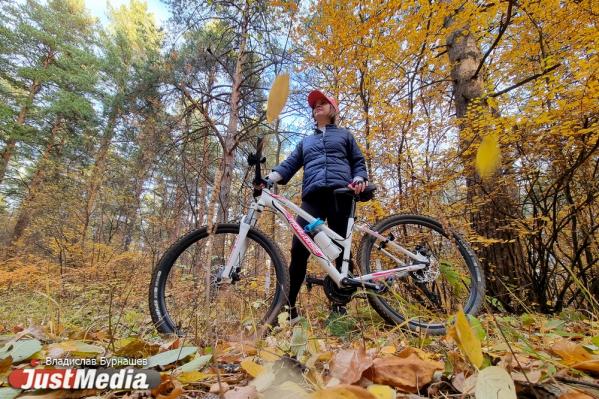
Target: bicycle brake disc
pixel 431 271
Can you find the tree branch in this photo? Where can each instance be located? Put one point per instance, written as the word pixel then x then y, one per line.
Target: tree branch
pixel 502 30
pixel 522 82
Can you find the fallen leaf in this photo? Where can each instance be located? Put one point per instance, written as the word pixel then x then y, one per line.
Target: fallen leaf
pixel 277 97
pixel 348 365
pixel 575 356
pixel 270 354
pixel 168 357
pixel 464 385
pixel 494 382
pixel 264 379
pixel 196 363
pixel 381 391
pixel 251 367
pixel 488 156
pixel 189 377
pixel 5 364
pixel 169 388
pixel 248 392
pixel 343 392
pixel 575 395
pixel 20 350
pixel 75 348
pixel 533 376
pixel 136 348
pixel 467 340
pixel 388 350
pixel 9 393
pixel 408 374
pixel 219 388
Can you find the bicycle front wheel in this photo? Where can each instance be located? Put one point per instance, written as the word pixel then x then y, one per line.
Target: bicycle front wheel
pixel 426 299
pixel 186 298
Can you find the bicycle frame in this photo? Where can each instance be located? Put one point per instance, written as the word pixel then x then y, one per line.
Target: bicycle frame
pixel 279 204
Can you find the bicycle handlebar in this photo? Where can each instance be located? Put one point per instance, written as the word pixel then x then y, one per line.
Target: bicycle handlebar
pixel 255 160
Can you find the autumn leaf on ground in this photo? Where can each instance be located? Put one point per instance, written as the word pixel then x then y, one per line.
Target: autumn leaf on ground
pixel 466 339
pixel 494 382
pixel 168 388
pixel 409 373
pixel 348 365
pixel 488 156
pixel 277 97
pixel 576 356
pixel 251 367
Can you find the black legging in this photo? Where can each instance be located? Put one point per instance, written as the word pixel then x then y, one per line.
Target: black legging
pixel 320 204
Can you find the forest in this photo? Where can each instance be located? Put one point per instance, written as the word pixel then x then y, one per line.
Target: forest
pixel 119 136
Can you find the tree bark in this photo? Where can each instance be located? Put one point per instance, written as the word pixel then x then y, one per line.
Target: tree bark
pixel 503 260
pixel 231 137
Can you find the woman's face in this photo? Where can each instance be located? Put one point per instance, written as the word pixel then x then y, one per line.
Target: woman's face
pixel 322 111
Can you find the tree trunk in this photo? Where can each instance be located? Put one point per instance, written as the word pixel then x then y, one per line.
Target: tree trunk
pixel 230 139
pixel 97 173
pixel 25 213
pixel 502 260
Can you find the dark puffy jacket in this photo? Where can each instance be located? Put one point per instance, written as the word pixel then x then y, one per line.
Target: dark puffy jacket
pixel 330 160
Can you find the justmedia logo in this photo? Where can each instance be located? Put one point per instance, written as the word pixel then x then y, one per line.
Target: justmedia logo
pixel 133 379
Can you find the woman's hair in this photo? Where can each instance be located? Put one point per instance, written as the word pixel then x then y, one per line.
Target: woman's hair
pixel 332 115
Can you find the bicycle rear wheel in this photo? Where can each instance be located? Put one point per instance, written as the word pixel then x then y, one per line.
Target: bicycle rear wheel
pixel 423 300
pixel 186 299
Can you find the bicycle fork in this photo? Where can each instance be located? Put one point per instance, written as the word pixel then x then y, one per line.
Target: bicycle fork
pixel 230 273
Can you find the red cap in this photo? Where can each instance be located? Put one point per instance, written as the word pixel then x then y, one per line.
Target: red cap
pixel 316 95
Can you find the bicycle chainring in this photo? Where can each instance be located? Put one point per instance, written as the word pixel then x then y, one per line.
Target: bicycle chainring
pixel 337 296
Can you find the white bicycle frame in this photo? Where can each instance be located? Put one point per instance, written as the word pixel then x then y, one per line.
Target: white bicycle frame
pixel 279 203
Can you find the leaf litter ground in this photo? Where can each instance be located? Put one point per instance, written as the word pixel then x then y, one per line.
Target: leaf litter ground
pixel 502 356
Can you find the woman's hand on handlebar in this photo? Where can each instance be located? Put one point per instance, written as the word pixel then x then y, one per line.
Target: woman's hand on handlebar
pixel 358 186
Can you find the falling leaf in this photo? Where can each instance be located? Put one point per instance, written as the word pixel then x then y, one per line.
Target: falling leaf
pixel 20 350
pixel 381 391
pixel 168 357
pixel 494 382
pixel 488 156
pixel 251 367
pixel 277 97
pixel 468 340
pixel 408 373
pixel 195 364
pixel 343 392
pixel 348 365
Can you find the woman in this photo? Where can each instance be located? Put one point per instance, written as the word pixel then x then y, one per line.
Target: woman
pixel 331 159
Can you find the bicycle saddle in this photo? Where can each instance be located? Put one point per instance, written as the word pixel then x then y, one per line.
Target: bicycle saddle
pixel 364 196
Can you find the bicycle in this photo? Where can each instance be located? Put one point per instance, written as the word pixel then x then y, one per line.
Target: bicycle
pixel 196 286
